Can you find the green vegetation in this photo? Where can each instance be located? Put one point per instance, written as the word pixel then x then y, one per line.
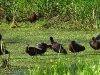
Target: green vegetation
pixel 85 63
pixel 65 20
pixel 78 13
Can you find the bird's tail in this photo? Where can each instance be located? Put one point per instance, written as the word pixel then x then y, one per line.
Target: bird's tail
pixel 98 37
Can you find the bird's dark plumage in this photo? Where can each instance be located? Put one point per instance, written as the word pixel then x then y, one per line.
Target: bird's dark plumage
pixel 3 51
pixel 33 17
pixel 94 43
pixel 0 37
pixel 75 47
pixel 57 47
pixel 40 49
pixel 98 37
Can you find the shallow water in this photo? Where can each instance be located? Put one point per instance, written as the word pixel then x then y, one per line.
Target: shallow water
pixel 15 71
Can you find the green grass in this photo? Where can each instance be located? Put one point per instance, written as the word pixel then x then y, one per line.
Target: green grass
pixel 58 11
pixel 85 63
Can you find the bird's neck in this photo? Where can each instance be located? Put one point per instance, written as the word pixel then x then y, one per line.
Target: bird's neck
pixel 52 41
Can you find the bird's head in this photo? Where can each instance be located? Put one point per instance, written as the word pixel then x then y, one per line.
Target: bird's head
pixel 94 39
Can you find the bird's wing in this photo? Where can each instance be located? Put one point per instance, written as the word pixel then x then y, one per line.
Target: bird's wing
pixel 38 48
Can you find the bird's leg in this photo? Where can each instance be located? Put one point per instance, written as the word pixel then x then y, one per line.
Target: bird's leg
pixel 59 53
pixel 32 57
pixel 8 62
pixel 75 53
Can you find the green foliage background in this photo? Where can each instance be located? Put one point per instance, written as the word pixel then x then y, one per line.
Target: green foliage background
pixel 86 12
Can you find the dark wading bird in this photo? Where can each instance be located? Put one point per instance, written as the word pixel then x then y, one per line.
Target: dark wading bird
pixel 3 51
pixel 40 49
pixel 33 17
pixel 57 47
pixel 75 47
pixel 95 44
